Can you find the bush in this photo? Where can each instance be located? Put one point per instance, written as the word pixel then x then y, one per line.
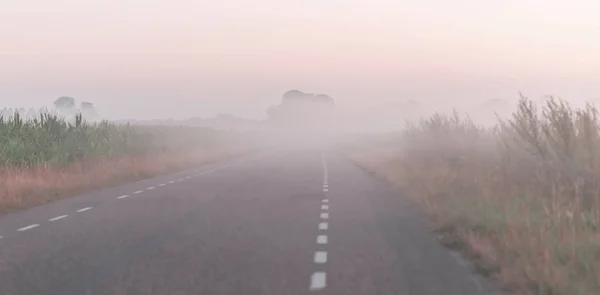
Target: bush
pixel 522 197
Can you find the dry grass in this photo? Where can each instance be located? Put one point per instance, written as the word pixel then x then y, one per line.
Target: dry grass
pixel 23 187
pixel 521 199
pixel 46 157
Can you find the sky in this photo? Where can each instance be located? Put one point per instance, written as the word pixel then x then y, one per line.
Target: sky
pixel 181 58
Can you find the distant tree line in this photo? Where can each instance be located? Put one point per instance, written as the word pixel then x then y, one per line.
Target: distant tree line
pixel 64 106
pixel 301 110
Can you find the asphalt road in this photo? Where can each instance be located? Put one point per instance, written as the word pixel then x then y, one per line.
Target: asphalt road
pixel 302 221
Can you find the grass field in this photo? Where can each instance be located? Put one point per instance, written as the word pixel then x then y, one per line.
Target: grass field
pixel 521 199
pixel 46 157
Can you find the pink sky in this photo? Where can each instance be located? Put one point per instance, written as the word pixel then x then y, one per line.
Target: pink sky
pixel 163 58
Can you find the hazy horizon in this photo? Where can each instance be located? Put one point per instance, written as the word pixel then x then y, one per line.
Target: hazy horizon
pixel 156 59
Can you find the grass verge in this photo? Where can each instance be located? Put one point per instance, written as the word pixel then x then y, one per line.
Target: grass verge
pixel 47 158
pixel 520 199
pixel 27 187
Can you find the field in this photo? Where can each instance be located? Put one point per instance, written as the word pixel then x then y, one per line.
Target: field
pixel 46 158
pixel 521 199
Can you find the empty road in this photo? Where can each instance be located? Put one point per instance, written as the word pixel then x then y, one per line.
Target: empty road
pixel 297 221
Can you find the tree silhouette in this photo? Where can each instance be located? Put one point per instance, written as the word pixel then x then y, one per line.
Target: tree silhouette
pixel 64 103
pixel 301 110
pixel 323 98
pixel 88 110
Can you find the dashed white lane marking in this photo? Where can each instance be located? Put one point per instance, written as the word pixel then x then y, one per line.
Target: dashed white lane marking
pixel 320 257
pixel 58 218
pixel 322 240
pixel 28 227
pixel 120 197
pixel 318 281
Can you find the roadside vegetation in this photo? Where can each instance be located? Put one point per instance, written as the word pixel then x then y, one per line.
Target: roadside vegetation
pixel 45 157
pixel 521 199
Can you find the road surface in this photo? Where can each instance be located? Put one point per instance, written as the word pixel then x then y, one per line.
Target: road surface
pixel 302 221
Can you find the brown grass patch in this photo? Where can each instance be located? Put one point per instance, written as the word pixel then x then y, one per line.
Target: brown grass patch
pixel 522 199
pixel 30 186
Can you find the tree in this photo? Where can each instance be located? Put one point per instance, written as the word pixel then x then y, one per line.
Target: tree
pixel 302 110
pixel 295 95
pixel 86 105
pixel 64 103
pixel 88 110
pixel 323 98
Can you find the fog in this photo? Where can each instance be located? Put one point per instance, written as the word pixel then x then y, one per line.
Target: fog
pixel 381 62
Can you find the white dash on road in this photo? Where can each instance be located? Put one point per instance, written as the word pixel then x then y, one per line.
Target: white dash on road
pixel 320 257
pixel 84 209
pixel 324 215
pixel 123 197
pixel 150 188
pixel 322 240
pixel 325 200
pixel 138 192
pixel 172 181
pixel 325 207
pixel 318 281
pixel 323 226
pixel 325 190
pixel 162 184
pixel 58 218
pixel 28 227
pixel 325 185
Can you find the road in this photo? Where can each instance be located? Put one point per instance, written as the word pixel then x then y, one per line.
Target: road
pixel 295 221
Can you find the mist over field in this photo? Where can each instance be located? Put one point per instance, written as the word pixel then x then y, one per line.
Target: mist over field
pixel 482 114
pixel 152 60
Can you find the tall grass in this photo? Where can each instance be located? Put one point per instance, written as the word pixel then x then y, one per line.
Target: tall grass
pixel 46 157
pixel 522 198
pixel 49 139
